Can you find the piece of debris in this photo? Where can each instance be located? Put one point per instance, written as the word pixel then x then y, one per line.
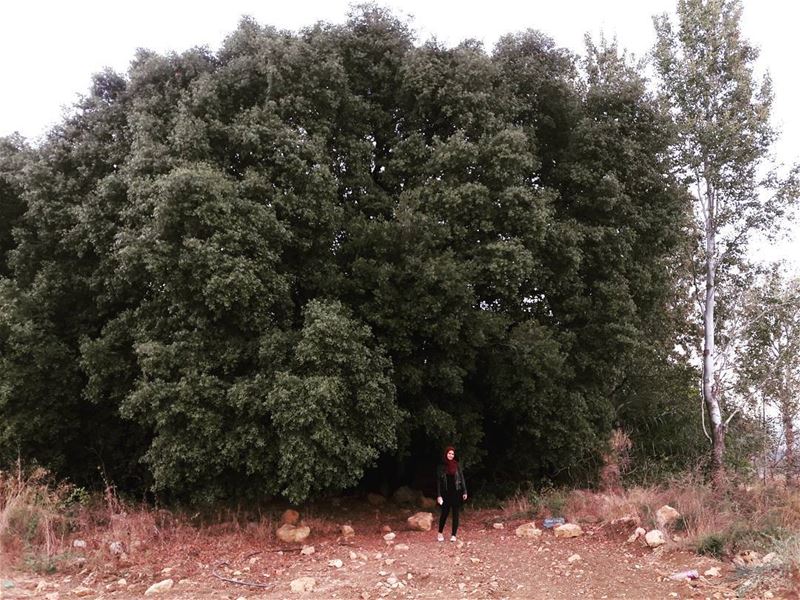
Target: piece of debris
pixel 308 550
pixel 389 536
pixel 712 572
pixel 551 522
pixel 574 558
pixel 498 526
pixel 336 563
pixel 691 574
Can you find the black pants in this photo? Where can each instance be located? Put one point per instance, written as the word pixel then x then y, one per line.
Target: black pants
pixel 450 503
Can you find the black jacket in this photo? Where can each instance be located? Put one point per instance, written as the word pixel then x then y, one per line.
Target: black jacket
pixel 441 481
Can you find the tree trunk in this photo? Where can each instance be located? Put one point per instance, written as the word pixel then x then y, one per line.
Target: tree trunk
pixel 709 392
pixel 788 434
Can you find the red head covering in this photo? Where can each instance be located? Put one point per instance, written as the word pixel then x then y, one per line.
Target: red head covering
pixel 450 466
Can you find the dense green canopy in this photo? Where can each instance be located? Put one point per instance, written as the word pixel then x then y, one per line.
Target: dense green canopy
pixel 261 270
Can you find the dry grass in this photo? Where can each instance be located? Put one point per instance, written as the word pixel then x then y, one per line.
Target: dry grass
pixel 35 516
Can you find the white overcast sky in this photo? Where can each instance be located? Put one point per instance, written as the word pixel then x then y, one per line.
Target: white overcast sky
pixel 49 49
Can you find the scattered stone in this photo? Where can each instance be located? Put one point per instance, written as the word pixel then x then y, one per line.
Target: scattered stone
pixel 348 532
pixel 712 572
pixel 574 558
pixel 474 560
pixel 116 548
pixel 401 547
pixel 303 584
pixel 42 585
pixel 768 595
pixel 498 526
pixel 528 530
pixel 666 516
pixel 426 503
pixel 747 558
pixel 626 522
pixel 392 580
pixel 421 521
pixel 293 534
pixel 389 536
pixel 638 534
pixel 386 529
pixel 655 538
pixel 376 499
pixel 389 561
pixel 123 582
pixel 770 558
pixel 290 517
pixel 52 596
pixel 405 495
pixel 160 587
pixel 82 591
pixel 353 555
pixel 79 544
pixel 568 530
pixel 336 563
pixel 307 550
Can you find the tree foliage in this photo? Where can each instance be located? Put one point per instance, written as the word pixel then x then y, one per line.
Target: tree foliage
pixel 260 270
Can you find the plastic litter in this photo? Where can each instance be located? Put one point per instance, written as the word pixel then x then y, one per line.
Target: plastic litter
pixel 681 575
pixel 551 522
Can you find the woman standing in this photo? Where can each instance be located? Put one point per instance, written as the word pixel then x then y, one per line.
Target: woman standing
pixel 451 490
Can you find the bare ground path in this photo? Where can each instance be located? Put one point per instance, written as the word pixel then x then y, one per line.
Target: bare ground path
pixel 485 563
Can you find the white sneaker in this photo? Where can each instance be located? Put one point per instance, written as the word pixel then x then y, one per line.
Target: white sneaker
pixel 440 537
pixel 452 538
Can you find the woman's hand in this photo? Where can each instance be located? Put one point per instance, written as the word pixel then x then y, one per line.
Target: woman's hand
pixel 439 500
pixel 464 497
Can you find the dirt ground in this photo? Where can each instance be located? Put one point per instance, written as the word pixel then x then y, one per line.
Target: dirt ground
pixel 484 563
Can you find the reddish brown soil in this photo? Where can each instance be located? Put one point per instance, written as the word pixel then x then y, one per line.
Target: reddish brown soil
pixel 486 563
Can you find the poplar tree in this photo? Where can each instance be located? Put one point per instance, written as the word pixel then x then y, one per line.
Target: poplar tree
pixel 721 110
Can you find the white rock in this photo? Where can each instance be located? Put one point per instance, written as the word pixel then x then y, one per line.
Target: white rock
pixel 498 526
pixel 666 515
pixel 303 584
pixel 574 558
pixel 78 544
pixel 353 555
pixel 52 596
pixel 82 591
pixel 655 538
pixel 160 587
pixel 293 534
pixel 116 548
pixel 336 563
pixel 392 580
pixel 307 550
pixel 712 572
pixel 528 530
pixel 401 547
pixel 348 531
pixel 421 521
pixel 568 530
pixel 390 536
